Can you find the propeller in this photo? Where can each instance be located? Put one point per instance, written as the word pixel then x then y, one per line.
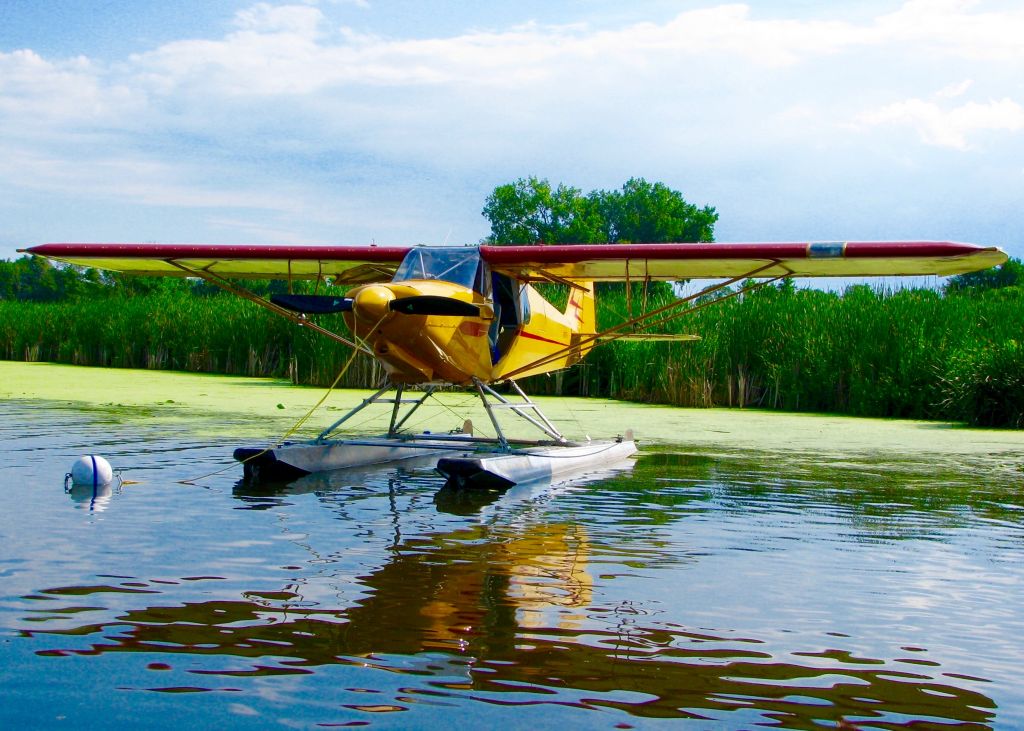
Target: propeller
pixel 313 304
pixel 428 304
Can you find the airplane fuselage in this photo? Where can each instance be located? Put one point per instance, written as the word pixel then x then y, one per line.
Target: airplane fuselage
pixel 512 328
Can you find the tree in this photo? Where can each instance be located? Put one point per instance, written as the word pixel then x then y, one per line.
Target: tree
pixel 643 212
pixel 530 211
pixel 1008 274
pixel 36 279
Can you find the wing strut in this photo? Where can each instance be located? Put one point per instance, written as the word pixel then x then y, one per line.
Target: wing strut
pixel 609 335
pixel 743 290
pixel 298 319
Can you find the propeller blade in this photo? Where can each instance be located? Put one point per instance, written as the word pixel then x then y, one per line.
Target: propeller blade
pixel 313 304
pixel 428 304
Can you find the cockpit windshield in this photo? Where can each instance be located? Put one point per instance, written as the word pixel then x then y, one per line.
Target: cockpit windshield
pixel 459 265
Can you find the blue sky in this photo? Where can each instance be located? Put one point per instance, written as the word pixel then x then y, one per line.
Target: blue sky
pixel 351 121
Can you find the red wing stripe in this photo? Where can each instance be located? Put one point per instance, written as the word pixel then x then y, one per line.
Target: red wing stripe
pixel 386 254
pixel 571 254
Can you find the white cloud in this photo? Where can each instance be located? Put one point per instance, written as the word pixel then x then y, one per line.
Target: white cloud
pixel 283 51
pixel 290 49
pixel 364 4
pixel 950 27
pixel 954 90
pixel 132 179
pixel 950 127
pixel 265 18
pixel 41 92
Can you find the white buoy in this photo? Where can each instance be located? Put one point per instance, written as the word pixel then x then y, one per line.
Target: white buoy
pixel 91 471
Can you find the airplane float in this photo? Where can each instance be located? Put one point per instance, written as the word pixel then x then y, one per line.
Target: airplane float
pixel 470 316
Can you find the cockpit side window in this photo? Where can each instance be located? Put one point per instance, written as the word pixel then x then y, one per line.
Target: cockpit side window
pixel 510 311
pixel 459 265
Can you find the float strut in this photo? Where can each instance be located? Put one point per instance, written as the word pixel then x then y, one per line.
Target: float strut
pixel 541 422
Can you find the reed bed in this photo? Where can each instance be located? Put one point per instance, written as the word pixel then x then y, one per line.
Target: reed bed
pixel 909 353
pixel 176 331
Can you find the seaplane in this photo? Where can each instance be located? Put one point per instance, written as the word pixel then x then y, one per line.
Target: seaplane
pixel 473 317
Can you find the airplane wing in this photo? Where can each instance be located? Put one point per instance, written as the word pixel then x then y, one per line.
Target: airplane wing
pixel 598 262
pixel 346 264
pixel 623 262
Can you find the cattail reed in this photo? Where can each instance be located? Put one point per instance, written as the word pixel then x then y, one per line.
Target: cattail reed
pixel 870 352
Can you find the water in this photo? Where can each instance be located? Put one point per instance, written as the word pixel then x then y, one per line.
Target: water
pixel 706 591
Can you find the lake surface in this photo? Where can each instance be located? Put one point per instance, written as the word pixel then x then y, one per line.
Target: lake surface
pixel 728 590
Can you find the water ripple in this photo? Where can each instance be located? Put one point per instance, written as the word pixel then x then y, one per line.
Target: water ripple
pixel 720 590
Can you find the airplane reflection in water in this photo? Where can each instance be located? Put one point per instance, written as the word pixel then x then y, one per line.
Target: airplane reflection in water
pixel 489 610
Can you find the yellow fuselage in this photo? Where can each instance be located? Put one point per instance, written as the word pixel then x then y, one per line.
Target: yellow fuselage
pixel 456 349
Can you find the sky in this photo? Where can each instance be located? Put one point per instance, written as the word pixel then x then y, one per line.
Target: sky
pixel 359 121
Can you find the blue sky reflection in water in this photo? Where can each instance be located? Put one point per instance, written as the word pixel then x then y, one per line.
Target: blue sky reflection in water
pixel 733 591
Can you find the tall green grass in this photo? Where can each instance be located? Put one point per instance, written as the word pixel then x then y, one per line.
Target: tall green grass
pixel 176 331
pixel 912 353
pixel 986 386
pixel 908 353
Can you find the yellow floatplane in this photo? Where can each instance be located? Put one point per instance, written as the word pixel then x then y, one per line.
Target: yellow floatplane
pixel 470 316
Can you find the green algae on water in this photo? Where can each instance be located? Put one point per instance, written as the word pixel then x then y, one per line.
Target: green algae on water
pixel 266 408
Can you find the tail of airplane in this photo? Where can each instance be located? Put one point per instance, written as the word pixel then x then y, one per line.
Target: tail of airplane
pixel 551 339
pixel 580 310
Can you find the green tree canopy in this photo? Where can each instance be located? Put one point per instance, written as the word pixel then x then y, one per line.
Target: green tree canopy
pixel 531 211
pixel 35 279
pixel 643 212
pixel 1008 274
